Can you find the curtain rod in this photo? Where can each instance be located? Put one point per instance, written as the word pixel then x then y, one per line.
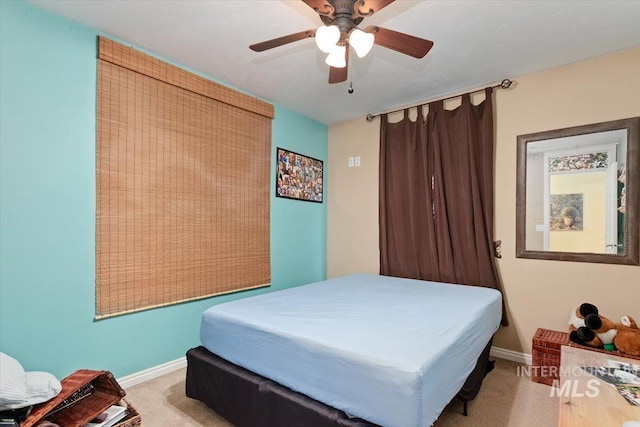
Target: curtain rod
pixel 504 84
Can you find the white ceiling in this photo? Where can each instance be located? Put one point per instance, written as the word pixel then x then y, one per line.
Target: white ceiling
pixel 476 43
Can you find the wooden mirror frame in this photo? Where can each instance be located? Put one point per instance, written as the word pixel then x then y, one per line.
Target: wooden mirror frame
pixel 631 255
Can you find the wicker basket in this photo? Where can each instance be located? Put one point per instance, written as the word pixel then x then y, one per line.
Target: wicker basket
pixel 545 365
pixel 617 353
pixel 133 418
pixel 85 394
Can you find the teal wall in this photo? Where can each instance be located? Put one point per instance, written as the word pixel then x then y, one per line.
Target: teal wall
pixel 47 211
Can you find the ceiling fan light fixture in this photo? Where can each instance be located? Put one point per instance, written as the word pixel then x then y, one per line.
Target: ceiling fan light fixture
pixel 361 42
pixel 327 37
pixel 336 57
pixel 340 19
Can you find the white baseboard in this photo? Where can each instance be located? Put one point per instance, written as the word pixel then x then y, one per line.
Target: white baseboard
pixel 165 368
pixel 511 355
pixel 151 373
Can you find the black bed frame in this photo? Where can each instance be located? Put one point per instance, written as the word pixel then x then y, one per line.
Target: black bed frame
pixel 247 399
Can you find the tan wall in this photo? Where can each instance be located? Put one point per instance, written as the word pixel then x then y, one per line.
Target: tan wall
pixel 538 293
pixel 352 216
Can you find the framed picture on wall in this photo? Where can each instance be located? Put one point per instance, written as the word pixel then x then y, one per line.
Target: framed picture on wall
pixel 566 212
pixel 298 177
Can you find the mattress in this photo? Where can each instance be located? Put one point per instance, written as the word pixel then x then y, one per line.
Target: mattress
pixel 391 351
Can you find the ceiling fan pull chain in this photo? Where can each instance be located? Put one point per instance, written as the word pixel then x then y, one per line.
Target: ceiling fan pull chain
pixel 350 89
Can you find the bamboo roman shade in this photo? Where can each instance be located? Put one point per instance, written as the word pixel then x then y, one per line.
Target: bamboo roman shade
pixel 183 185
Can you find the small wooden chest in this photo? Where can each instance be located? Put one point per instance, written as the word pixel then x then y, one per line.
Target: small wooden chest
pixel 546 344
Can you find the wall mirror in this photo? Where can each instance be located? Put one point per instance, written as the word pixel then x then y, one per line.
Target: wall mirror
pixel 578 193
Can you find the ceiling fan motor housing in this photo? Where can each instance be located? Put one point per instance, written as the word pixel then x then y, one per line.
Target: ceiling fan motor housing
pixel 344 15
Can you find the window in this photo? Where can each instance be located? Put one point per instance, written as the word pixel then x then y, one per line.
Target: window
pixel 182 185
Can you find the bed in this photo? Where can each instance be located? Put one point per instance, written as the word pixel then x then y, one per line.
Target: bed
pixel 355 350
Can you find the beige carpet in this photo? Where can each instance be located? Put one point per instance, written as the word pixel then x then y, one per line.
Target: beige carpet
pixel 505 399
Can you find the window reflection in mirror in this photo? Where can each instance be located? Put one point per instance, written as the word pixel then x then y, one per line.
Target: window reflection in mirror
pixel 573 193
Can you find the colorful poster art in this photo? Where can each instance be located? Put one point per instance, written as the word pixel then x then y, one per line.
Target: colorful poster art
pixel 299 177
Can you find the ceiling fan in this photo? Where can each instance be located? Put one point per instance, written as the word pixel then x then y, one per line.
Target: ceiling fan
pixel 340 31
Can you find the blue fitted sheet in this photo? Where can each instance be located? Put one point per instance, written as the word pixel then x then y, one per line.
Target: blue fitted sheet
pixel 391 351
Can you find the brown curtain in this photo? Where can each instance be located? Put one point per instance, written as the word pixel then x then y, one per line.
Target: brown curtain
pixel 436 195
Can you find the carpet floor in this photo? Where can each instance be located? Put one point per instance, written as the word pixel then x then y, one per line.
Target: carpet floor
pixel 505 399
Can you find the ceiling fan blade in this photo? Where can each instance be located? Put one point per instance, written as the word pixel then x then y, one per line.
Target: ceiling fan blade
pixel 323 7
pixel 270 44
pixel 400 42
pixel 369 7
pixel 338 75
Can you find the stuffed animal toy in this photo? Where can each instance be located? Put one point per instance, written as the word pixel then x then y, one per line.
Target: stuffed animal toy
pixel 600 332
pixel 627 340
pixel 576 319
pixel 597 332
pixel 578 330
